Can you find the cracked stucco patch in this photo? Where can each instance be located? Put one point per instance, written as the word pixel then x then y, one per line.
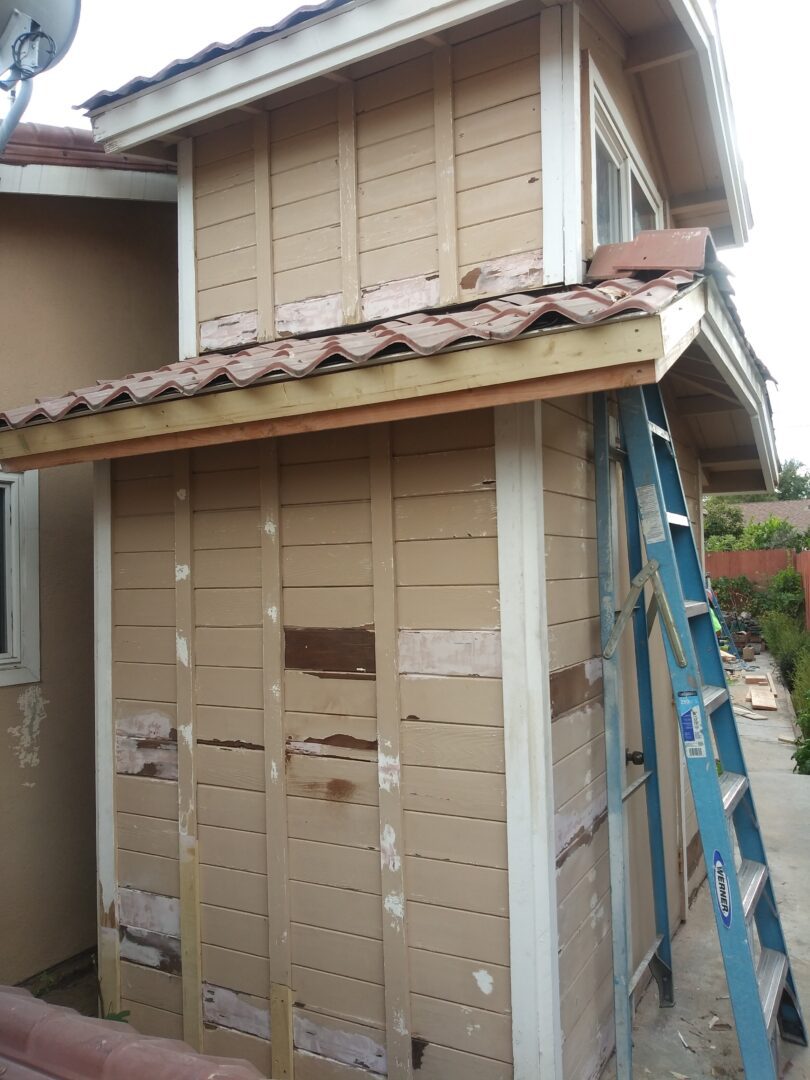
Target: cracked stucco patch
pixel 25 735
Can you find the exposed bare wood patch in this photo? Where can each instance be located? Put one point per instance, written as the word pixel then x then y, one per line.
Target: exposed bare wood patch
pixel 347 1045
pixel 324 649
pixel 523 271
pixel 397 297
pixel 335 746
pixel 573 686
pixel 582 836
pixel 230 744
pixel 229 331
pixel 145 720
pixel 153 950
pixel 450 652
pixel 306 316
pixel 239 1012
pixel 146 757
pixel 149 911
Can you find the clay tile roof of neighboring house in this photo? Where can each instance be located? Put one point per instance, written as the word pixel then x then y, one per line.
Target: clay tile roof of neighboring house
pixel 420 334
pixel 795 511
pixel 50 1041
pixel 215 51
pixel 44 144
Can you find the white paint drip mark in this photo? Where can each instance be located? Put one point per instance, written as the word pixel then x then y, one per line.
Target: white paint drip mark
pixel 484 981
pixel 388 771
pixel 276 691
pixel 181 494
pixel 270 527
pixel 25 735
pixel 181 572
pixel 182 648
pixel 399 1024
pixel 273 772
pixel 389 858
pixel 394 904
pixel 272 614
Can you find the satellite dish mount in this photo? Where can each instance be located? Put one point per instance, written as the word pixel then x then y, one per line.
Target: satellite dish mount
pixel 32 38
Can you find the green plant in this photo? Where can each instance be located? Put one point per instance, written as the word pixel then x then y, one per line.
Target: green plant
pixel 786 640
pixel 122 1017
pixel 721 518
pixel 785 593
pixel 739 594
pixel 801 690
pixel 801 755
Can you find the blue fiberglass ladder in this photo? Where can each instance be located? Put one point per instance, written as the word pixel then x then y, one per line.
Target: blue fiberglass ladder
pixel 760 981
pixel 725 633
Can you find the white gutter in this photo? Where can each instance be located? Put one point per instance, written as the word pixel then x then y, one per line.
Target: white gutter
pixel 313 49
pixel 85 182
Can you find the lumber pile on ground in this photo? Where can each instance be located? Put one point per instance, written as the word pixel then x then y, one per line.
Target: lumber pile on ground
pixel 762 691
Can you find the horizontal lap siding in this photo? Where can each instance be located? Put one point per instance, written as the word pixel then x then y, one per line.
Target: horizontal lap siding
pixel 225 222
pixel 583 895
pixel 453 788
pixel 396 195
pixel 145 716
pixel 331 737
pixel 496 110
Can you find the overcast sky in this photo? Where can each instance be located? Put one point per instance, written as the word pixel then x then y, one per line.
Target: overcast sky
pixel 767 61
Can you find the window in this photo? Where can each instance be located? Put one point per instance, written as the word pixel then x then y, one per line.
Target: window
pixel 19 578
pixel 625 200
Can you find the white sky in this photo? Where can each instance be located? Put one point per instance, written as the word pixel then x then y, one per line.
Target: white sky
pixel 767 61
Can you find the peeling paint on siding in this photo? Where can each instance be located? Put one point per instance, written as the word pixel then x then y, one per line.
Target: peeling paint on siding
pixel 228 1009
pixel 348 1047
pixel 25 735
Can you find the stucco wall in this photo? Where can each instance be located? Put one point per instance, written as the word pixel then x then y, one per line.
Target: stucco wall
pixel 88 291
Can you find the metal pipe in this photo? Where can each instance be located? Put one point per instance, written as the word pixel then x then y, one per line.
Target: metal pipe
pixel 22 96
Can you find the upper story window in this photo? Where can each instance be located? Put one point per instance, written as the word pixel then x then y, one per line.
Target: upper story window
pixel 19 578
pixel 625 200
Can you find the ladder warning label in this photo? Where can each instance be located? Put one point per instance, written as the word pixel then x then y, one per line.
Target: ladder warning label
pixel 691 724
pixel 652 523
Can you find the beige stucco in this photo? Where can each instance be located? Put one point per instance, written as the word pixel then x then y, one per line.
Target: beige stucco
pixel 89 290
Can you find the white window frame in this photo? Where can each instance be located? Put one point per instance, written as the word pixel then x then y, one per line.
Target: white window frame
pixel 607 123
pixel 20 662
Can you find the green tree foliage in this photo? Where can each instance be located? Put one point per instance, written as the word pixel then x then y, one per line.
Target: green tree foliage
pixel 721 518
pixel 794 480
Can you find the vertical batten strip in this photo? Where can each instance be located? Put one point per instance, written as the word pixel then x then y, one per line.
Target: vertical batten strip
pixel 278 901
pixel 395 945
pixel 264 229
pixel 446 216
pixel 530 833
pixel 186 760
pixel 186 251
pixel 347 160
pixel 109 970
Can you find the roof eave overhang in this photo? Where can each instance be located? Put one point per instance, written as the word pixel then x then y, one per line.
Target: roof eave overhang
pixel 625 351
pixel 315 48
pixel 90 182
pixel 699 20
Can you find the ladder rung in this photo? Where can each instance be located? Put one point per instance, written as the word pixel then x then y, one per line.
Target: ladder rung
pixel 752 877
pixel 662 433
pixel 771 973
pixel 732 787
pixel 696 607
pixel 714 696
pixel 678 519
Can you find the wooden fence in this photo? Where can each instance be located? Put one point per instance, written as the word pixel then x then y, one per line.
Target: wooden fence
pixel 760 566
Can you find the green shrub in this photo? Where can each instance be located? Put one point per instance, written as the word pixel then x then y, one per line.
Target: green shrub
pixel 801 688
pixel 801 755
pixel 786 639
pixel 739 594
pixel 785 593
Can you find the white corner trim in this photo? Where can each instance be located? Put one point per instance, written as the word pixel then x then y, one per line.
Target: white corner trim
pixel 536 1034
pixel 108 948
pixel 83 182
pixel 186 251
pixel 21 664
pixel 560 125
pixel 344 37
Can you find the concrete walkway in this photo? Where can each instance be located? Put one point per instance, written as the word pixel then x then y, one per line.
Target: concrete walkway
pixel 696 1038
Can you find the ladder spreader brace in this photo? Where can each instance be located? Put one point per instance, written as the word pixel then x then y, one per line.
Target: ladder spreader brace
pixel 648 573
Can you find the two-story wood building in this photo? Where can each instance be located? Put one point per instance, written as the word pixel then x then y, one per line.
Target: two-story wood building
pixel 351 786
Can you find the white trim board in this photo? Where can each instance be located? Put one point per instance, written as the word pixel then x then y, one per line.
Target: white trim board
pixel 186 252
pixel 534 967
pixel 21 663
pixel 87 183
pixel 346 36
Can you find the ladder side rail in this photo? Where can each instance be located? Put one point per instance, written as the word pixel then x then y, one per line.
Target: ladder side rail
pixel 648 745
pixel 718 849
pixel 614 741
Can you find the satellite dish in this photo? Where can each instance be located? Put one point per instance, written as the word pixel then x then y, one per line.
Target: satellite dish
pixel 34 35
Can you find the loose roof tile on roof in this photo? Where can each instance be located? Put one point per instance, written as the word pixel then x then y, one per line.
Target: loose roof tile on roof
pixel 420 334
pixel 215 51
pixel 46 144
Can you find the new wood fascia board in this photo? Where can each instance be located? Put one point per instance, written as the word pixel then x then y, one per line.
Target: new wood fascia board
pixel 680 325
pixel 625 343
pixel 342 37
